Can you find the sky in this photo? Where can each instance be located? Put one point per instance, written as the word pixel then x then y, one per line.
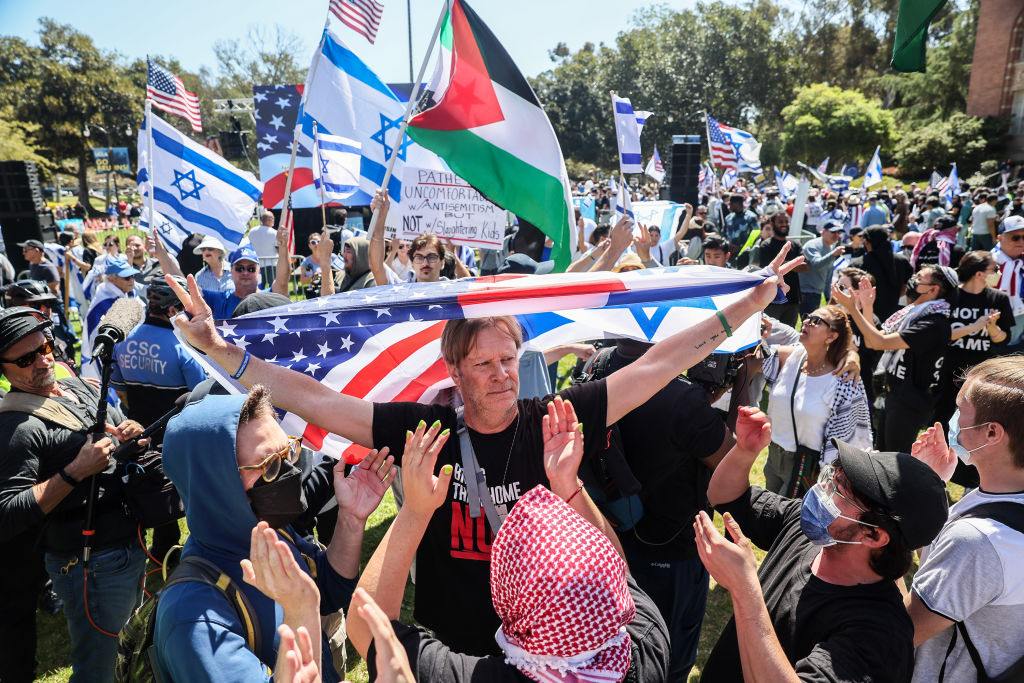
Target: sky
pixel 187 29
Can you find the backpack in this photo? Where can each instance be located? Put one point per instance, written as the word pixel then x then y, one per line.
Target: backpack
pixel 136 657
pixel 608 478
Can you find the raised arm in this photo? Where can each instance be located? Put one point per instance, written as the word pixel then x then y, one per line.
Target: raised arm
pixel 324 251
pixel 621 236
pixel 732 476
pixel 379 206
pixel 634 384
pixel 167 262
pixel 874 338
pixel 284 264
pixel 349 417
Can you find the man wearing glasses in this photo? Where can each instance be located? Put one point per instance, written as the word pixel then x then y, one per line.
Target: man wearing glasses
pixel 240 475
pixel 1009 255
pixel 245 267
pixel 824 604
pixel 46 460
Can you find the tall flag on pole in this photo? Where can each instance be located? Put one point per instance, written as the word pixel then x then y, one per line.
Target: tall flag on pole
pixel 733 148
pixel 362 16
pixel 624 206
pixel 936 183
pixel 908 50
pixel 655 169
pixel 482 117
pixel 785 182
pixel 167 92
pixel 952 185
pixel 627 135
pixel 336 162
pixel 823 166
pixel 194 187
pixel 383 344
pixel 729 178
pixel 873 173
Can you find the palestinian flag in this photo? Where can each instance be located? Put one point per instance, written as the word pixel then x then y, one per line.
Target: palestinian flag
pixel 483 118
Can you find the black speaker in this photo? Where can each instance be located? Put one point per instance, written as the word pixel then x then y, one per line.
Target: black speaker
pixel 683 176
pixel 234 143
pixel 20 192
pixel 26 226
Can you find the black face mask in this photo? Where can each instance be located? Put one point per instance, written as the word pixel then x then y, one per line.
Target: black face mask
pixel 912 293
pixel 282 501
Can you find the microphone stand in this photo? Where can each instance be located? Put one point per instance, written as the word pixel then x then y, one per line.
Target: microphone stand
pixel 106 357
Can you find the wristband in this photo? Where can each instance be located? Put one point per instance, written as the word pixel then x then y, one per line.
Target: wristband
pixel 591 255
pixel 242 367
pixel 575 493
pixel 725 323
pixel 68 478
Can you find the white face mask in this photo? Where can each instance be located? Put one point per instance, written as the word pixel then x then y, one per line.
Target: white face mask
pixel 992 279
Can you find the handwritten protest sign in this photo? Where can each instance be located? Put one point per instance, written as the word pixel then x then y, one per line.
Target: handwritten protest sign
pixel 441 203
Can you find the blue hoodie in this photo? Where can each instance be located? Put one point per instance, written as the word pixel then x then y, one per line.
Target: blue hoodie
pixel 198 636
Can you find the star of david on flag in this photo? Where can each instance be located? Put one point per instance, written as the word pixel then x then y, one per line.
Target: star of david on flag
pixel 336 171
pixel 383 343
pixel 191 178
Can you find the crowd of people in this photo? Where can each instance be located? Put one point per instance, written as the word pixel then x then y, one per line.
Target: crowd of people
pixel 553 532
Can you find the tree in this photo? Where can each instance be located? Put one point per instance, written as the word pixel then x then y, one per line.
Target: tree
pixel 17 140
pixel 827 120
pixel 265 56
pixel 960 138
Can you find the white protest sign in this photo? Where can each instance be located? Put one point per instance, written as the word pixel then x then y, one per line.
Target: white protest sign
pixel 442 203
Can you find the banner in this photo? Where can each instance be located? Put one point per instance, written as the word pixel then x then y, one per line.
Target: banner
pixel 662 214
pixel 442 203
pixel 118 157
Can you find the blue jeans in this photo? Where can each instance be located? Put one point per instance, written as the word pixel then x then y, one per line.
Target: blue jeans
pixel 680 590
pixel 115 589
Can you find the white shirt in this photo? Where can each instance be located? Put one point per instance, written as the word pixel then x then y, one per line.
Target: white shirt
pixel 979 218
pixel 264 241
pixel 811 406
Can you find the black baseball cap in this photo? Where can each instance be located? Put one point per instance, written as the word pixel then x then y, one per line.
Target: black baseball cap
pixel 35 244
pixel 906 488
pixel 521 263
pixel 18 322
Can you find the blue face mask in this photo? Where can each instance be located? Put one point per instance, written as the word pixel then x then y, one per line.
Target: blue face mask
pixel 818 513
pixel 954 438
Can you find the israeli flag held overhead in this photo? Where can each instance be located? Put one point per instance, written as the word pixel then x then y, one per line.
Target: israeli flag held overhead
pixel 347 99
pixel 194 187
pixel 627 133
pixel 953 186
pixel 336 165
pixel 873 173
pixel 171 235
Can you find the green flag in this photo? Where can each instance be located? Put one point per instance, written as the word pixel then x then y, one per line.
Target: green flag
pixel 912 33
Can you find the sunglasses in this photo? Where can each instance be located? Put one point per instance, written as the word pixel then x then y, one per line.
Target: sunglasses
pixel 313 243
pixel 245 269
pixel 271 467
pixel 45 349
pixel 815 320
pixel 1016 238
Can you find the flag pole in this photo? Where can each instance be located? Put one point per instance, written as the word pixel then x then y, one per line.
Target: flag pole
pixel 149 164
pixel 413 96
pixel 286 202
pixel 319 172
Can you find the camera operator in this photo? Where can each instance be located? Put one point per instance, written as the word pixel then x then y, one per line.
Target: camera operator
pixel 46 458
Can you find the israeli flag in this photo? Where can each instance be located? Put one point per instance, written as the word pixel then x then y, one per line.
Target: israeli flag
pixel 729 178
pixel 347 99
pixel 953 186
pixel 785 182
pixel 873 174
pixel 336 166
pixel 641 119
pixel 170 234
pixel 624 207
pixel 194 187
pixel 823 166
pixel 627 134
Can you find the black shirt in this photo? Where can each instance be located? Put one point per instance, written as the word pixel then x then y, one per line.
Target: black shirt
pixel 769 250
pixel 918 371
pixel 44 271
pixel 868 356
pixel 929 255
pixel 828 632
pixel 974 348
pixel 33 450
pixel 663 441
pixel 888 281
pixel 432 660
pixel 453 595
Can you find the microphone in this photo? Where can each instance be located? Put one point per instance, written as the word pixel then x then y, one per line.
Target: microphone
pixel 119 320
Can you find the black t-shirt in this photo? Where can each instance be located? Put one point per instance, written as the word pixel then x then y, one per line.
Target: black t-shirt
pixel 434 661
pixel 44 271
pixel 929 255
pixel 828 632
pixel 663 440
pixel 453 595
pixel 769 250
pixel 918 371
pixel 868 356
pixel 974 348
pixel 887 283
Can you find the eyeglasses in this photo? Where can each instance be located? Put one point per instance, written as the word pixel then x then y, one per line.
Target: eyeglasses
pixel 45 349
pixel 429 258
pixel 403 247
pixel 271 467
pixel 815 320
pixel 827 481
pixel 245 269
pixel 110 244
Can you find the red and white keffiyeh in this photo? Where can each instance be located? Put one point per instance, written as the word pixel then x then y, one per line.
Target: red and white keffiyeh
pixel 559 587
pixel 944 239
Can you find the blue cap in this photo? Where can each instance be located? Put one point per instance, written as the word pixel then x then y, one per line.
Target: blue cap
pixel 120 267
pixel 245 253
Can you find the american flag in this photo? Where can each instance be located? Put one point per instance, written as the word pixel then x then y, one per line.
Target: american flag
pixel 168 93
pixel 383 343
pixel 276 111
pixel 722 151
pixel 362 16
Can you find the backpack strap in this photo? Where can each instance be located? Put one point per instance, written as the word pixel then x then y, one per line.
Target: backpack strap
pixel 478 494
pixel 39 406
pixel 203 571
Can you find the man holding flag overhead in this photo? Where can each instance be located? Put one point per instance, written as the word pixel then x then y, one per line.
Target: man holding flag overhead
pixel 501 457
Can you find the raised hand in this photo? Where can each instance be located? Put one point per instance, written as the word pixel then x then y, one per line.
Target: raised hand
pixel 731 565
pixel 866 294
pixel 296 661
pixel 843 297
pixel 197 326
pixel 392 660
pixel 359 493
pixel 753 429
pixel 931 449
pixel 563 446
pixel 424 492
pixel 765 292
pixel 271 567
